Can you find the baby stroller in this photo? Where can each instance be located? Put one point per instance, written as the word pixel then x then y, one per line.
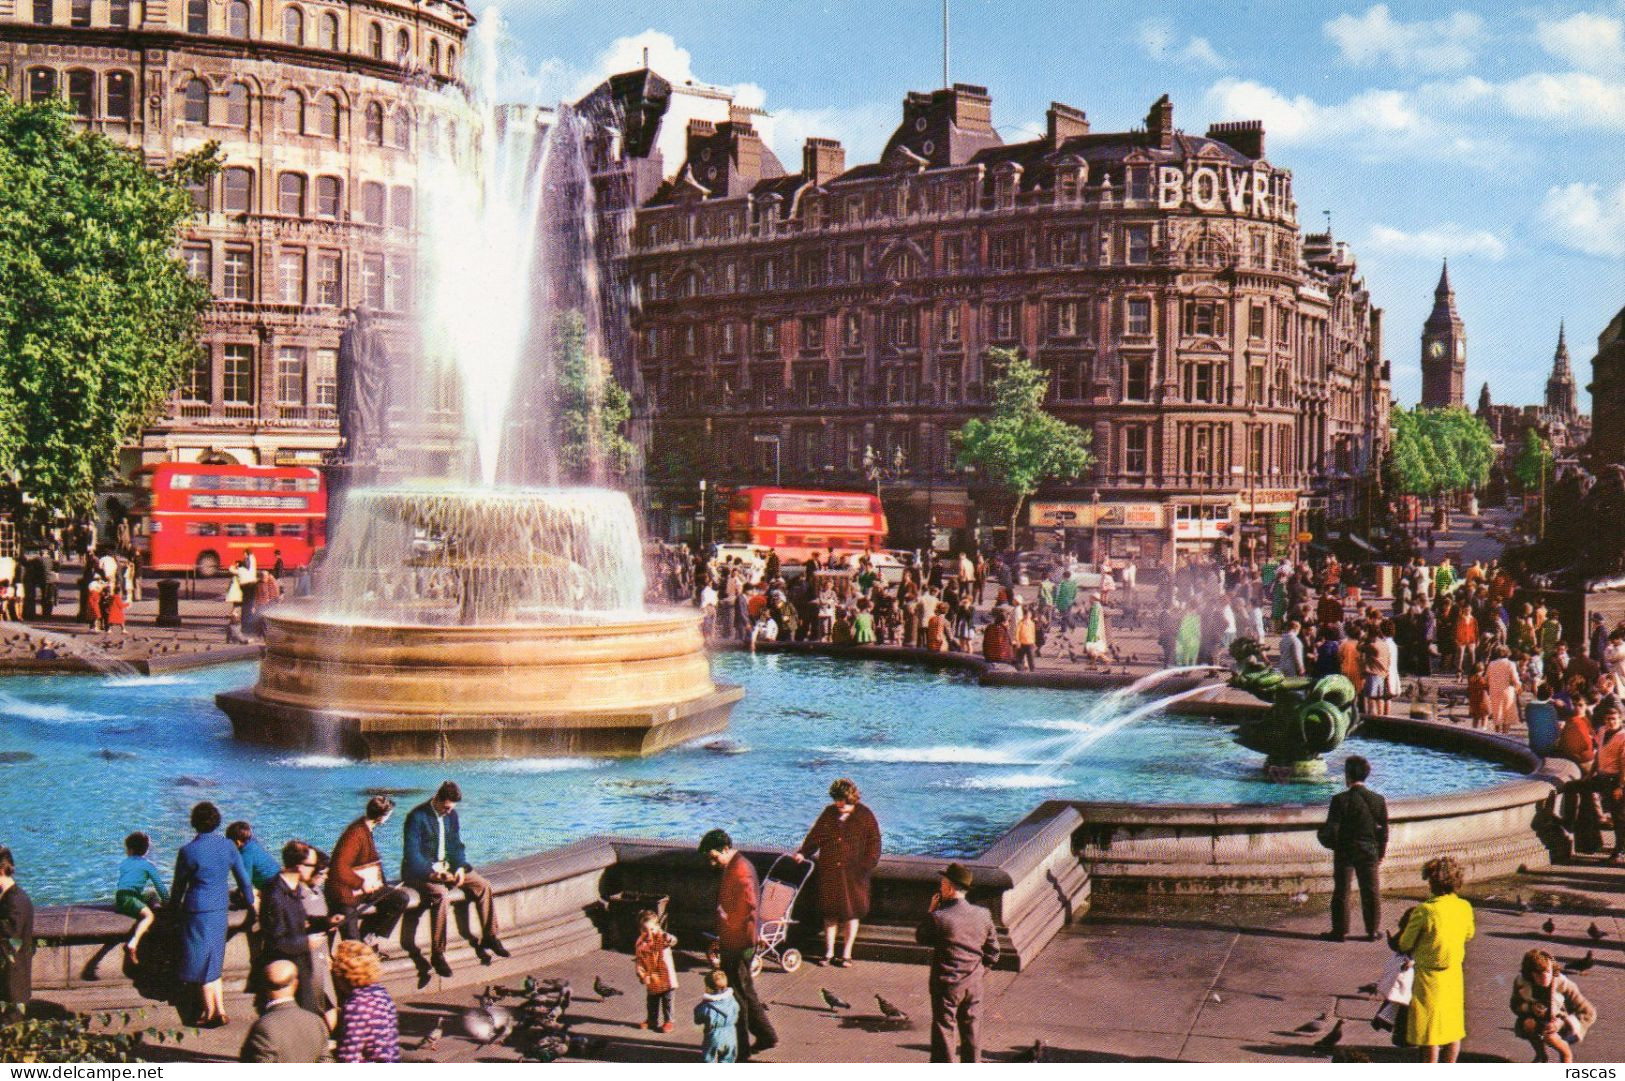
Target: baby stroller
pixel 780 887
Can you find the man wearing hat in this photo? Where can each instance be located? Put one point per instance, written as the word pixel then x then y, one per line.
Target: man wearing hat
pixel 963 945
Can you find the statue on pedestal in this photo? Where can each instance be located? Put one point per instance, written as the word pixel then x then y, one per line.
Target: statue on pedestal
pixel 363 389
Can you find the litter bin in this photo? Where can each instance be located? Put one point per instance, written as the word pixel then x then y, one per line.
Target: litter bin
pixel 169 603
pixel 623 915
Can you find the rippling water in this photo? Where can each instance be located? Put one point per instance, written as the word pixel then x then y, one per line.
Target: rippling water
pixel 946 765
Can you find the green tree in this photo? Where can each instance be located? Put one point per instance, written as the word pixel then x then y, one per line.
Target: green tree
pixel 1020 446
pixel 594 408
pixel 1533 463
pixel 1410 456
pixel 99 319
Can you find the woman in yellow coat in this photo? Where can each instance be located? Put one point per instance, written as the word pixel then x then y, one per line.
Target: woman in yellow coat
pixel 1436 934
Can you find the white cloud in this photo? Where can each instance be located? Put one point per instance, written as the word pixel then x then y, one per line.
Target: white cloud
pixel 1447 44
pixel 1573 97
pixel 1586 217
pixel 1585 40
pixel 1160 41
pixel 1384 116
pixel 1435 242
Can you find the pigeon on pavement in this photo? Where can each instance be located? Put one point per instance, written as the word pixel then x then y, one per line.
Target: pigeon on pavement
pixel 832 1000
pixel 1330 1040
pixel 428 1042
pixel 892 1012
pixel 1597 933
pixel 604 990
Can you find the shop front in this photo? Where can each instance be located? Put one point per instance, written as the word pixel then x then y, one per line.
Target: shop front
pixel 1267 524
pixel 1204 528
pixel 1116 531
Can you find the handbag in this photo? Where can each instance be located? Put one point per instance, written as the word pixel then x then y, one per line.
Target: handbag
pixel 1397 979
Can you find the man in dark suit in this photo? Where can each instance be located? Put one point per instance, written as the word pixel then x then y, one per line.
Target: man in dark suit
pixel 964 944
pixel 284 925
pixel 1356 831
pixel 285 1032
pixel 434 863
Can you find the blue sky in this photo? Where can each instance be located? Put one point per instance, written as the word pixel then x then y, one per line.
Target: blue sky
pixel 1491 134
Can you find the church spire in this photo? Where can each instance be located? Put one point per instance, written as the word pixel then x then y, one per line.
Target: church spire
pixel 1443 290
pixel 1561 397
pixel 1484 401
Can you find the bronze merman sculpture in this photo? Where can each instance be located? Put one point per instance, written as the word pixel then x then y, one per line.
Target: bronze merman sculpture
pixel 1308 716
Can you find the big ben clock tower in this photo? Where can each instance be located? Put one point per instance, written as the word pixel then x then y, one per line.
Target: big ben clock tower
pixel 1444 350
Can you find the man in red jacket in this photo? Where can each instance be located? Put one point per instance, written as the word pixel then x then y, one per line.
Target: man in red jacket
pixel 355 880
pixel 737 929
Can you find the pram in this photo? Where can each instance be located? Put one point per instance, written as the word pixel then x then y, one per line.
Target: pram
pixel 780 888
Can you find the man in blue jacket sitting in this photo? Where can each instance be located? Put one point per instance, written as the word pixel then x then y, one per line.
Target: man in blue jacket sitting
pixel 434 863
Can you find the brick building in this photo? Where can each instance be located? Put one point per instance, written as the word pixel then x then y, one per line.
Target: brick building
pixel 831 325
pixel 317 105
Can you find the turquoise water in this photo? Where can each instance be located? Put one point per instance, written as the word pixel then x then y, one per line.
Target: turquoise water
pixel 947 766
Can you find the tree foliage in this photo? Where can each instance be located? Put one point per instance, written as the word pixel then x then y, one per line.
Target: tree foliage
pixel 76 1037
pixel 594 407
pixel 99 319
pixel 1020 446
pixel 1434 452
pixel 1533 463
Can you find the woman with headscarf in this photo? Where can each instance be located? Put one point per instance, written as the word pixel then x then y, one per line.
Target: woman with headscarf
pixel 846 843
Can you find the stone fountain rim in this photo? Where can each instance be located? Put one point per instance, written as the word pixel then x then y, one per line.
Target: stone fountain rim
pixel 604 625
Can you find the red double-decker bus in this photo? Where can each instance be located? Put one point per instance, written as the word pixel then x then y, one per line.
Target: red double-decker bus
pixel 799 523
pixel 203 517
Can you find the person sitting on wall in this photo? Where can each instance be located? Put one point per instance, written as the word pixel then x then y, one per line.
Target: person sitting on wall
pixel 434 863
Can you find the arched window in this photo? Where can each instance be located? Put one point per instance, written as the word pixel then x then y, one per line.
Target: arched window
pixel 290 195
pixel 403 47
pixel 291 116
pixel 329 197
pixel 82 94
pixel 238 18
pixel 120 103
pixel 237 99
pixel 41 85
pixel 197 16
pixel 431 134
pixel 197 102
pixel 329 117
pixel 434 57
pixel 375 41
pixel 451 61
pixel 403 129
pixel 239 188
pixel 293 26
pixel 330 31
pixel 375 123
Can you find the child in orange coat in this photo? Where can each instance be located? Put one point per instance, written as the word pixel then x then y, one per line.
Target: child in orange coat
pixel 656 969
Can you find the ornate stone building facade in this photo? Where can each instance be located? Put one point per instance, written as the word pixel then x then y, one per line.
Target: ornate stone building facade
pixel 833 326
pixel 317 105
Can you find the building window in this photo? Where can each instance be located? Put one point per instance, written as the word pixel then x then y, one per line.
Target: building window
pixel 293 26
pixel 237 106
pixel 239 185
pixel 373 202
pixel 1137 318
pixel 1204 318
pixel 766 336
pixel 1137 379
pixel 1139 183
pixel 199 385
pixel 953 254
pixel 1201 383
pixel 852 330
pixel 1255 384
pixel 327 377
pixel 1065 318
pixel 199 191
pixel 290 376
pixel 434 56
pixel 197 102
pixel 1255 451
pixel 1004 253
pixel 1136 449
pixel 397 283
pixel 375 124
pixel 41 85
pixel 1283 327
pixel 79 13
pixel 812 333
pixel 291 113
pixel 118 14
pixel 1066 248
pixel 1199 450
pixel 400 209
pixel 1069 379
pixel 1255 322
pixel 1137 244
pixel 375 41
pixel 197 16
pixel 237 375
pixel 237 280
pixel 950 381
pixel 42 12
pixel 403 47
pixel 451 61
pixel 854 264
pixel 1258 244
pixel 291 268
pixel 329 116
pixel 950 325
pixel 119 101
pixel 330 279
pixel 82 94
pixel 291 195
pixel 200 263
pixel 1003 321
pixel 237 18
pixel 329 197
pixel 904 329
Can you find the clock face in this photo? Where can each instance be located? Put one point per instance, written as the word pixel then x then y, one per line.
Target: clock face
pixel 1436 350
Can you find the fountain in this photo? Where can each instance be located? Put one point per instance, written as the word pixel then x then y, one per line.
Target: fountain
pixel 1308 717
pixel 473 602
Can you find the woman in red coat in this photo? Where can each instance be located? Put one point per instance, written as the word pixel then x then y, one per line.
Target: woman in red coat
pixel 846 843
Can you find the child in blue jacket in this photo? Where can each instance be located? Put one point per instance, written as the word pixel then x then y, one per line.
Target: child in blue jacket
pixel 718 1013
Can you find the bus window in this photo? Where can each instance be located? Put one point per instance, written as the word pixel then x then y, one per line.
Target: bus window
pixel 236 529
pixel 291 529
pixel 264 529
pixel 202 529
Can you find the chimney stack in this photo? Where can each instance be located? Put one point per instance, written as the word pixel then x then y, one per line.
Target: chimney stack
pixel 1246 136
pixel 1063 122
pixel 822 160
pixel 1159 123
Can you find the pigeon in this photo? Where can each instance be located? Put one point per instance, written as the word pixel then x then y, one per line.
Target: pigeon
pixel 1597 933
pixel 891 1012
pixel 1367 989
pixel 428 1042
pixel 1583 963
pixel 832 1000
pixel 1550 926
pixel 604 990
pixel 1330 1040
pixel 1317 1025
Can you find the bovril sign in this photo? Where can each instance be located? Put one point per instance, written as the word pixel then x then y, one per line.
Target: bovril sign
pixel 1224 189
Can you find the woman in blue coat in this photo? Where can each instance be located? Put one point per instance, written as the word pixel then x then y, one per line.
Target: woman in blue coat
pixel 204 869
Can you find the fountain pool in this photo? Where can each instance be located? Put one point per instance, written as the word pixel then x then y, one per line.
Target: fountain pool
pixel 939 758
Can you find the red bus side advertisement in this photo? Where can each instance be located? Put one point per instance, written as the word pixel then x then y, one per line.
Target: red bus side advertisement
pixel 204 517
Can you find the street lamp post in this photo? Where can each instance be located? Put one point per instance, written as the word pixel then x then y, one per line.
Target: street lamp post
pixel 778 475
pixel 1094 522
